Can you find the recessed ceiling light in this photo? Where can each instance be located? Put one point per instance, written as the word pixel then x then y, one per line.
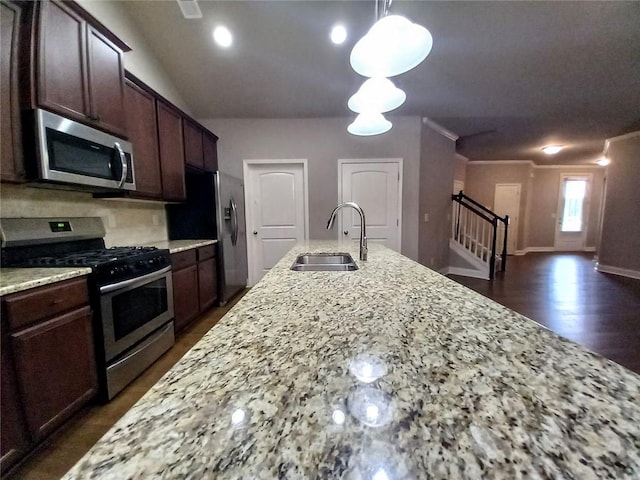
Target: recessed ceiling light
pixel 603 162
pixel 223 36
pixel 338 34
pixel 552 149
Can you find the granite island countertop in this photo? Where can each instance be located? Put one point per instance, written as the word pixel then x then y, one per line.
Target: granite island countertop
pixel 389 372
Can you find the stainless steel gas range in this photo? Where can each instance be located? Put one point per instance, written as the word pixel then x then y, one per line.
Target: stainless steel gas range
pixel 131 289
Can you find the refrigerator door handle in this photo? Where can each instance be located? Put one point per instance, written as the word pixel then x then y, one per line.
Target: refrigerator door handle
pixel 234 221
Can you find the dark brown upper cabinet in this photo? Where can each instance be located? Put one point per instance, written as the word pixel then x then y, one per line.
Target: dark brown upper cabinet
pixel 79 70
pixel 193 154
pixel 200 147
pixel 171 152
pixel 12 167
pixel 210 150
pixel 143 134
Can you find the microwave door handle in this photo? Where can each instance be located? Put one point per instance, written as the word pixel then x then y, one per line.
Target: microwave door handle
pixel 123 162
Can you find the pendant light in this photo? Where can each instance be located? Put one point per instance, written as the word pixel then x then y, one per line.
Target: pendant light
pixel 369 123
pixel 393 45
pixel 377 94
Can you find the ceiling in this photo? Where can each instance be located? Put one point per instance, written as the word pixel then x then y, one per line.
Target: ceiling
pixel 506 77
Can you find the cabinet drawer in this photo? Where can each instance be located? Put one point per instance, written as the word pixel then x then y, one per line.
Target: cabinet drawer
pixel 37 304
pixel 183 259
pixel 206 252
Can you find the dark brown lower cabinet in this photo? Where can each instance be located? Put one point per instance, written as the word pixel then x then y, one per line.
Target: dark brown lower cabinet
pixel 195 283
pixel 55 369
pixel 185 300
pixel 14 440
pixel 48 363
pixel 207 283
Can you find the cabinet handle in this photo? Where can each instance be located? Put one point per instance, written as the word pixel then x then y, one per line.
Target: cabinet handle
pixel 346 232
pixel 255 232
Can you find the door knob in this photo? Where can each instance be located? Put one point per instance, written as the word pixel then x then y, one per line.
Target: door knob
pixel 346 232
pixel 255 232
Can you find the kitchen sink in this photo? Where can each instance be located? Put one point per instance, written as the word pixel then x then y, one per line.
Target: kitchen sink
pixel 324 262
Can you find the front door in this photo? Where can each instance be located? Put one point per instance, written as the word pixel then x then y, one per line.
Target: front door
pixel 507 202
pixel 573 205
pixel 377 188
pixel 276 213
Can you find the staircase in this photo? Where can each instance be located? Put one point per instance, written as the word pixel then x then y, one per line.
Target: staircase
pixel 478 244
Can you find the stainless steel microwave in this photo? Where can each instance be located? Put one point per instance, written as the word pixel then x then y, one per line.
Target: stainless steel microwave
pixel 73 153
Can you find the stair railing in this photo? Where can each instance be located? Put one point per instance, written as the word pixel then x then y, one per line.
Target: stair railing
pixel 475 228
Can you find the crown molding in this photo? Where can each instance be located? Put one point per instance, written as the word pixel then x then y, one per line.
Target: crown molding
pixel 581 167
pixel 626 136
pixel 530 163
pixel 440 129
pixel 501 162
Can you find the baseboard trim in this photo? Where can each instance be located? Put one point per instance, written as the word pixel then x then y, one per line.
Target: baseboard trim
pixel 467 272
pixel 524 251
pixel 623 272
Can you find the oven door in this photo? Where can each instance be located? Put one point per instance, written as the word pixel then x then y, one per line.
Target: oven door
pixel 133 309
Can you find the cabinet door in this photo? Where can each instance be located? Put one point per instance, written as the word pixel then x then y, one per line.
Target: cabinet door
pixel 62 75
pixel 185 301
pixel 171 152
pixel 207 283
pixel 14 436
pixel 11 168
pixel 106 84
pixel 210 151
pixel 55 368
pixel 193 145
pixel 143 134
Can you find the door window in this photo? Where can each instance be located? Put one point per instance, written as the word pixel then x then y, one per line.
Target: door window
pixel 572 214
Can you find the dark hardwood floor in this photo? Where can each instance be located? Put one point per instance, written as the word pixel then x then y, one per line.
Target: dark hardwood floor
pixel 65 447
pixel 563 292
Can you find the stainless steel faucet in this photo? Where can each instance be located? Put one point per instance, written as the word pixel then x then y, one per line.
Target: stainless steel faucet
pixel 363 226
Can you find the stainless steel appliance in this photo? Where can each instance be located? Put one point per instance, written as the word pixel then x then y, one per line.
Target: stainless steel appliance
pixel 68 152
pixel 131 289
pixel 215 210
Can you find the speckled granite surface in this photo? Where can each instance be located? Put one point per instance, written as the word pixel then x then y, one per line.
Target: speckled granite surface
pixel 14 280
pixel 175 246
pixel 389 372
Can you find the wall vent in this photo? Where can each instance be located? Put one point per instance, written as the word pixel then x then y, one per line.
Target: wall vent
pixel 190 8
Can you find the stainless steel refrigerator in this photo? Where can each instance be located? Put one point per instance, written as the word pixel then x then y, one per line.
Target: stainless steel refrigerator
pixel 215 210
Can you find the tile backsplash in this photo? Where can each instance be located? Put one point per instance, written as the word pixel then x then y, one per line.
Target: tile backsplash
pixel 126 222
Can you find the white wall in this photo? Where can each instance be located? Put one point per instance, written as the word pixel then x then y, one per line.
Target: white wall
pixel 322 141
pixel 140 60
pixel 436 183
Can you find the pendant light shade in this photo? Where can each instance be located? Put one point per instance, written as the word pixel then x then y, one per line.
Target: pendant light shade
pixel 392 46
pixel 377 94
pixel 369 123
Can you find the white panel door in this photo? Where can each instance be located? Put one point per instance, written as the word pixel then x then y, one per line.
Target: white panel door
pixel 507 202
pixel 376 188
pixel 276 220
pixel 573 212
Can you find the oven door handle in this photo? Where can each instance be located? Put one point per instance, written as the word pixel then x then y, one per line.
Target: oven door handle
pixel 134 281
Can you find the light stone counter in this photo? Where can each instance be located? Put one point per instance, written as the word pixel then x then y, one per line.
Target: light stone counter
pixel 176 246
pixel 389 372
pixel 14 280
